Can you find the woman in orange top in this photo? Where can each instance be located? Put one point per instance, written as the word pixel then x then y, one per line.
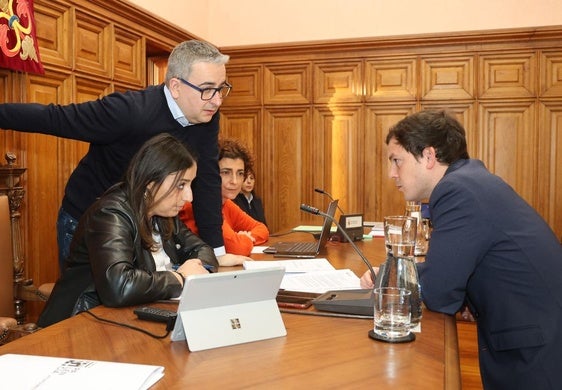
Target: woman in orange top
pixel 240 231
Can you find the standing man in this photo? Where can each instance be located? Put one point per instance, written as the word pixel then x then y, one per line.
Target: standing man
pixel 185 106
pixel 489 249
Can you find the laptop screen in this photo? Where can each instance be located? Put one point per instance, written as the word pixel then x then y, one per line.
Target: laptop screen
pixel 326 228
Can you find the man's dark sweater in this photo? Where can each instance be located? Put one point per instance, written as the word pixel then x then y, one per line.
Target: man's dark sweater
pixel 116 126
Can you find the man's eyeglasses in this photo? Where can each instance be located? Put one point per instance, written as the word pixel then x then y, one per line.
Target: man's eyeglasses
pixel 209 93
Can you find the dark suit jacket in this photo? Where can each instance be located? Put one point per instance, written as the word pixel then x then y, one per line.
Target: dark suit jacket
pixel 491 249
pixel 254 209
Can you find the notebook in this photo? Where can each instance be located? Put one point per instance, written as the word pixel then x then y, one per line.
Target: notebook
pixel 306 249
pixel 228 308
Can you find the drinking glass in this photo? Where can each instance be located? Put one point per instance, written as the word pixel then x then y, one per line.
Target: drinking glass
pixel 400 235
pixel 392 312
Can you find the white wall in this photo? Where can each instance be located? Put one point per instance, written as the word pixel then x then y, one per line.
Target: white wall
pixel 249 22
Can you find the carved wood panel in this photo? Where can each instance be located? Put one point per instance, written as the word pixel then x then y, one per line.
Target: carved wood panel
pixel 128 57
pixel 447 78
pixel 508 144
pixel 53 23
pixel 246 84
pixel 340 135
pixel 551 74
pixel 291 161
pixel 510 75
pixel 550 165
pixel 391 79
pixel 338 82
pixel 92 45
pixel 287 84
pixel 43 184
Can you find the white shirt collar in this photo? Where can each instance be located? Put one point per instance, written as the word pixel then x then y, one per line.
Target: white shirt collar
pixel 175 109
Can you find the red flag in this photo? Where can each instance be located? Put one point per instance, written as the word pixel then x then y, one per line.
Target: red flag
pixel 18 43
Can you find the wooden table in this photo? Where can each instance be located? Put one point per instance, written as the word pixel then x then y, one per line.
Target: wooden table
pixel 318 351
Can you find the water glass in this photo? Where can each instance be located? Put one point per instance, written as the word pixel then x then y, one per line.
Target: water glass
pixel 392 312
pixel 400 235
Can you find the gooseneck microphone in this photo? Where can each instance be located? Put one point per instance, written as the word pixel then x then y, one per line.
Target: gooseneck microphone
pixel 321 191
pixel 358 302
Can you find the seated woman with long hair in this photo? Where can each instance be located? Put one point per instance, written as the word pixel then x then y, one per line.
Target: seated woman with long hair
pixel 130 247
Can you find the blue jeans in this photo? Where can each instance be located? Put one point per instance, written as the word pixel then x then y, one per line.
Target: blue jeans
pixel 66 225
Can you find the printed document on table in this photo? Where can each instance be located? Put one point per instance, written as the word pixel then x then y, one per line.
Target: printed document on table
pixel 43 372
pixel 321 281
pixel 292 265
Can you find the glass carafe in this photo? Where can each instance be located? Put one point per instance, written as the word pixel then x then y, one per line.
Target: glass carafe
pixel 401 272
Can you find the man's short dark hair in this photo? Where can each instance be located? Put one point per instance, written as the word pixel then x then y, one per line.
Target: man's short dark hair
pixel 436 128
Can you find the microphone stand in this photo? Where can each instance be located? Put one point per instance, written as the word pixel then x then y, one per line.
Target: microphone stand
pixel 358 302
pixel 320 191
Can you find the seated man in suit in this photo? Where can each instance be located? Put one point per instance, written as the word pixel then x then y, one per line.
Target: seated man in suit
pixel 489 249
pixel 240 231
pixel 248 201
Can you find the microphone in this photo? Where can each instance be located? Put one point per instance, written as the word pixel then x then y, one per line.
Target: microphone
pixel 353 222
pixel 321 191
pixel 358 302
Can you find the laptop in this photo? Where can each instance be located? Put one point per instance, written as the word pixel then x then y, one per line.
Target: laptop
pixel 306 249
pixel 228 308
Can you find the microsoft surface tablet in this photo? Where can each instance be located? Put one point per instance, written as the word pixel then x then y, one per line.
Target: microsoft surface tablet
pixel 227 308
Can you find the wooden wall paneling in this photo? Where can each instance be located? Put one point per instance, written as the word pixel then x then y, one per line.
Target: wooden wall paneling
pixel 391 79
pixel 93 46
pixel 292 157
pixel 287 83
pixel 508 145
pixel 54 24
pixel 551 74
pixel 448 77
pixel 6 143
pixel 337 82
pixel 129 64
pixel 507 75
pixel 156 70
pixel 381 196
pixel 550 168
pixel 43 186
pixel 343 131
pixel 246 84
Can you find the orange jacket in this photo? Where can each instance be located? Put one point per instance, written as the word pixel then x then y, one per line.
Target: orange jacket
pixel 234 220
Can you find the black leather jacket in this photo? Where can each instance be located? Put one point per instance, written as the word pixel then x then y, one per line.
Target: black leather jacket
pixel 108 265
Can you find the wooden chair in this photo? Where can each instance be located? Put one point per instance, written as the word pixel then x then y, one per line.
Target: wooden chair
pixel 7 320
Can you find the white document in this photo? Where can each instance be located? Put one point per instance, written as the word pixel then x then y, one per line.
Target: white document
pixel 377 230
pixel 259 248
pixel 312 228
pixel 293 265
pixel 42 372
pixel 321 281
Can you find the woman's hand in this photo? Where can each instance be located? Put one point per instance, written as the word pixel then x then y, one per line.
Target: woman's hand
pixel 229 260
pixel 191 267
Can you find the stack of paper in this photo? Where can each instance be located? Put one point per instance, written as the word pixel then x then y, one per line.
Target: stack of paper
pixel 310 275
pixel 42 372
pixel 377 230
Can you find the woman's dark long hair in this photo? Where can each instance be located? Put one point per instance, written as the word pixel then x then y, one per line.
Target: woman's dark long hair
pixel 159 157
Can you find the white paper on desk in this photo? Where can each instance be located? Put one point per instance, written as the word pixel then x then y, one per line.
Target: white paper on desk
pixel 42 372
pixel 321 281
pixel 292 265
pixel 377 230
pixel 258 249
